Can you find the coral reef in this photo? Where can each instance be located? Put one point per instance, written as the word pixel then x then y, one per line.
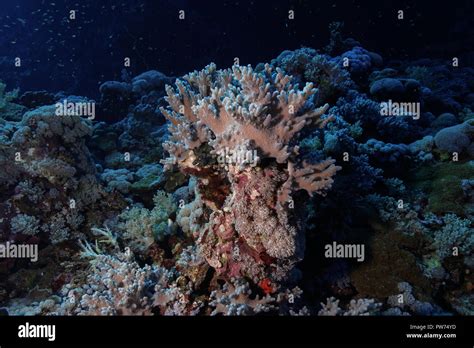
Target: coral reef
pixel 219 195
pixel 50 193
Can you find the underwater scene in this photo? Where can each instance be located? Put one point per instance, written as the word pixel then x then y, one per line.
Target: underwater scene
pixel 201 158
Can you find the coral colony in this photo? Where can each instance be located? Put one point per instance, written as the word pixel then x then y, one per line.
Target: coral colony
pixel 248 231
pixel 324 182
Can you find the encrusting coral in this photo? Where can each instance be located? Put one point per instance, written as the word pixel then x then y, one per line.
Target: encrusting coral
pixel 234 130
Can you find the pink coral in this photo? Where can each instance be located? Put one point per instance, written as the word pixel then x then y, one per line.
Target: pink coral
pixel 216 114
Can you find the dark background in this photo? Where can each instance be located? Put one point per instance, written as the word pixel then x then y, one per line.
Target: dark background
pixel 77 56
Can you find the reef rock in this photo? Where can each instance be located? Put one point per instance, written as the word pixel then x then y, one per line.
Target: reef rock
pixel 457 138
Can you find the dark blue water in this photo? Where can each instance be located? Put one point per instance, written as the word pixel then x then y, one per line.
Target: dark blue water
pixel 78 55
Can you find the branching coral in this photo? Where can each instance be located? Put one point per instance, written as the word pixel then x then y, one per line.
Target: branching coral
pixel 396 212
pixel 234 299
pixel 237 107
pixel 115 286
pixel 25 224
pixel 170 299
pixel 406 300
pixel 237 298
pixel 457 233
pixel 360 307
pixel 308 65
pixel 216 114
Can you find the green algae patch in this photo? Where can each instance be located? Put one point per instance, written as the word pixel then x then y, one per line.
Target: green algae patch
pixel 150 183
pixel 442 184
pixel 174 180
pixel 154 155
pixel 390 262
